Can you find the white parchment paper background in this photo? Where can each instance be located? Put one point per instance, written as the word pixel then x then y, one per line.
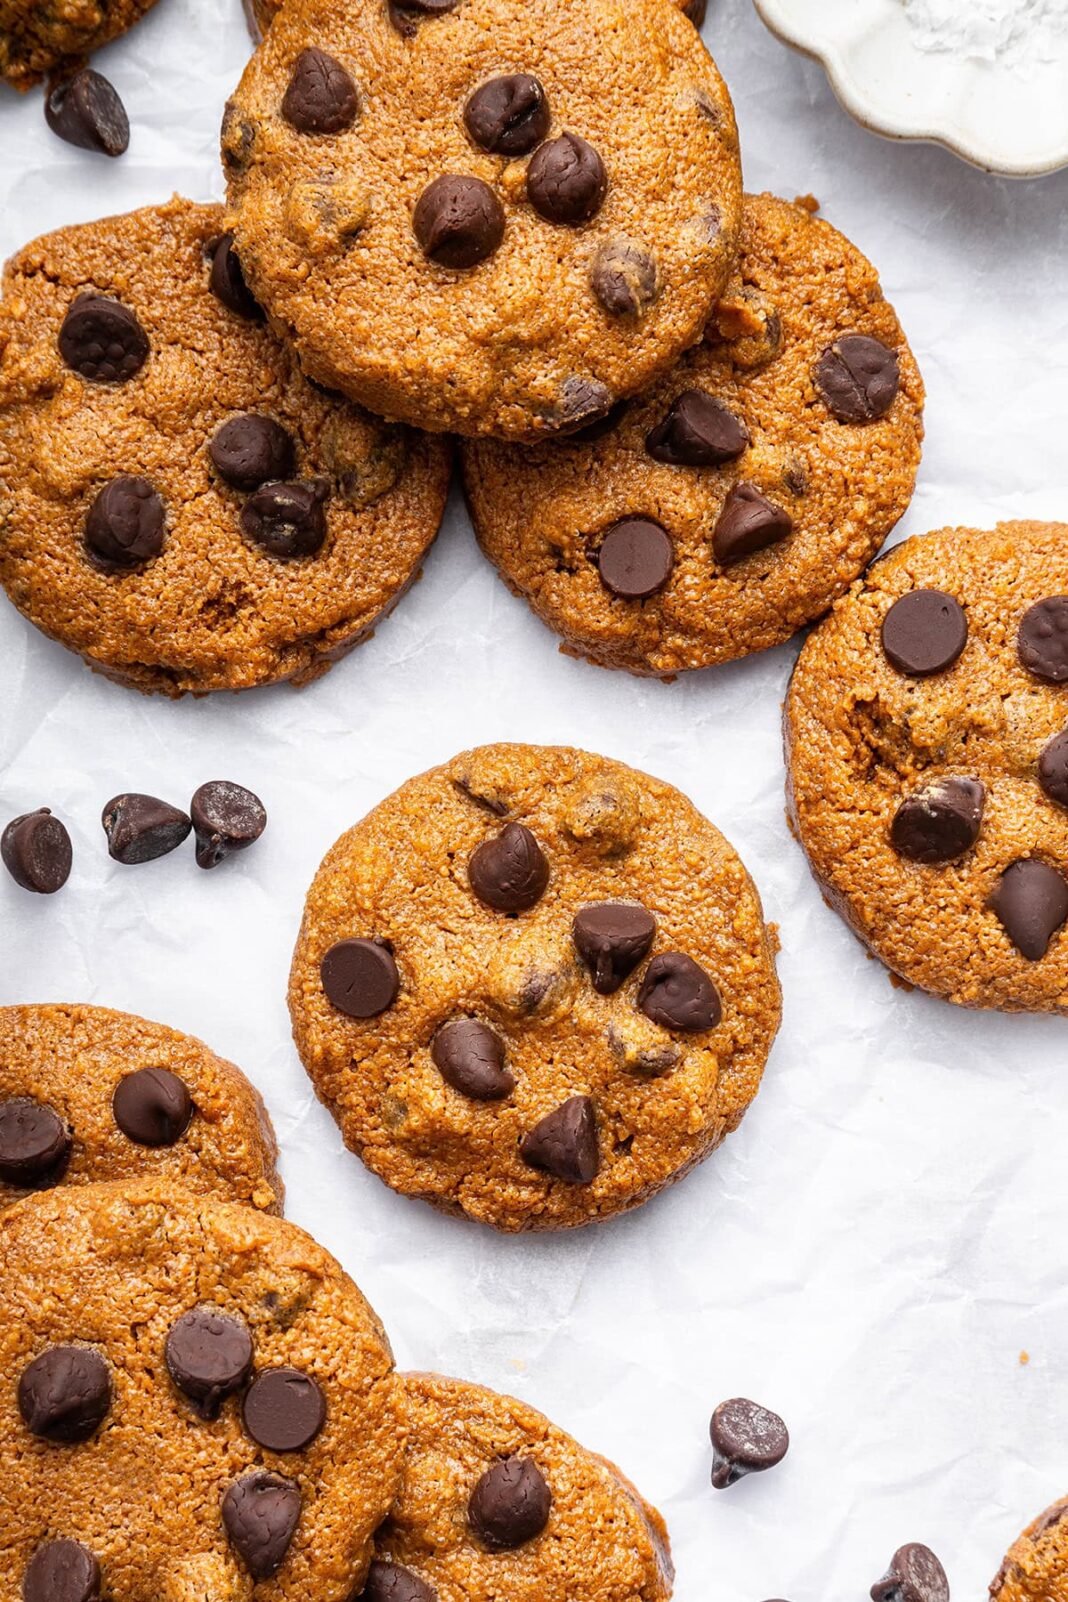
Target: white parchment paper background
pixel 889 1230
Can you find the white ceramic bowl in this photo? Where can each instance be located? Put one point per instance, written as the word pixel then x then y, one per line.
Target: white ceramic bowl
pixel 1008 114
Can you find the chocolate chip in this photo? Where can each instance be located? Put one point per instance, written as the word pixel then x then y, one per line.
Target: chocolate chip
pixel 488 803
pixel 470 1057
pixel 61 1571
pixel 858 378
pixel 695 10
pixel 623 277
pixel 566 180
pixel 636 558
pixel 583 401
pixel 37 852
pixel 509 873
pixel 152 1107
pixel 1043 639
pixel 286 519
pixel 141 828
pixel 1053 769
pixel 360 978
pixel 746 1439
pixel 600 425
pixel 508 115
pixel 321 97
pixel 678 994
pixel 227 281
pixel 564 1142
pixel 1031 900
pixel 458 221
pixel 392 1582
pixel 102 340
pixel 261 1512
pixel 284 1410
pixel 698 431
pixel 86 111
pixel 35 1143
pixel 510 1505
pixel 924 632
pixel 612 937
pixel 227 818
pixel 250 450
pixel 914 1575
pixel 64 1395
pixel 748 522
pixel 209 1357
pixel 124 526
pixel 939 822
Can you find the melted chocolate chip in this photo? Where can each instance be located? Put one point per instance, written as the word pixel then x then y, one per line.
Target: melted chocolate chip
pixel 404 14
pixel 509 873
pixel 746 1439
pixel 510 1505
pixel 914 1575
pixel 623 278
pixel 1031 900
pixel 61 1571
pixel 508 115
pixel 470 1057
pixel 564 1142
pixel 924 632
pixel 152 1107
pixel 321 97
pixel 261 1512
pixel 250 450
pixel 209 1357
pixel 36 851
pixel 288 520
pixel 140 828
pixel 678 994
pixel 566 180
pixel 284 1410
pixel 698 431
pixel 102 340
pixel 227 281
pixel 458 221
pixel 35 1143
pixel 940 822
pixel 1053 769
pixel 1043 640
pixel 858 378
pixel 226 818
pixel 360 977
pixel 64 1395
pixel 749 522
pixel 392 1582
pixel 612 938
pixel 124 525
pixel 86 111
pixel 636 558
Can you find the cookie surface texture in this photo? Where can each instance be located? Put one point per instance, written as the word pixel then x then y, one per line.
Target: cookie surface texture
pixel 1036 1566
pixel 35 39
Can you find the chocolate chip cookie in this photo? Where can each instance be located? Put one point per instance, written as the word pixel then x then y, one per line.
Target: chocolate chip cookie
pixel 491 216
pixel 733 502
pixel 195 1400
pixel 88 1094
pixel 37 38
pixel 534 986
pixel 177 503
pixel 261 13
pixel 927 742
pixel 1036 1566
pixel 497 1501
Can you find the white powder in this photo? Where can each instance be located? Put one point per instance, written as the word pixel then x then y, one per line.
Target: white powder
pixel 1016 32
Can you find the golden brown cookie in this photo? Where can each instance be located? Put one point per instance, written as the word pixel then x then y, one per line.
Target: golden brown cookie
pixel 534 986
pixel 37 38
pixel 1036 1566
pixel 261 13
pixel 492 217
pixel 497 1501
pixel 87 1094
pixel 927 742
pixel 177 503
pixel 735 500
pixel 192 1393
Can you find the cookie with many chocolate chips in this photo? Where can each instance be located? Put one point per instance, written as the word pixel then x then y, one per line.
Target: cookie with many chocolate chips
pixel 486 216
pixel 1036 1565
pixel 734 501
pixel 87 1094
pixel 534 986
pixel 37 38
pixel 178 503
pixel 194 1400
pixel 926 739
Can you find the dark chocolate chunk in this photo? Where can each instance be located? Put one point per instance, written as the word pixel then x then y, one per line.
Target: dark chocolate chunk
pixel 612 938
pixel 226 818
pixel 1031 900
pixel 86 111
pixel 510 872
pixel 360 977
pixel 470 1057
pixel 65 1394
pixel 140 828
pixel 678 994
pixel 698 431
pixel 566 180
pixel 152 1107
pixel 508 115
pixel 564 1142
pixel 746 1439
pixel 858 378
pixel 939 822
pixel 321 97
pixel 36 851
pixel 924 632
pixel 510 1505
pixel 284 1410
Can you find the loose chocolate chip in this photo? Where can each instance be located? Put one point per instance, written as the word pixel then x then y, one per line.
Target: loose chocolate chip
pixel 914 1575
pixel 360 977
pixel 1053 769
pixel 678 994
pixel 102 340
pixel 698 431
pixel 35 1143
pixel 86 111
pixel 286 519
pixel 508 115
pixel 470 1057
pixel 939 822
pixel 636 558
pixel 124 526
pixel 1043 639
pixel 227 818
pixel 566 180
pixel 61 1571
pixel 321 97
pixel 564 1142
pixel 509 873
pixel 209 1357
pixel 612 937
pixel 458 221
pixel 227 281
pixel 64 1395
pixel 1031 900
pixel 623 277
pixel 858 378
pixel 510 1504
pixel 152 1107
pixel 924 632
pixel 284 1410
pixel 141 828
pixel 37 852
pixel 261 1512
pixel 748 522
pixel 746 1439
pixel 392 1582
pixel 695 10
pixel 251 449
